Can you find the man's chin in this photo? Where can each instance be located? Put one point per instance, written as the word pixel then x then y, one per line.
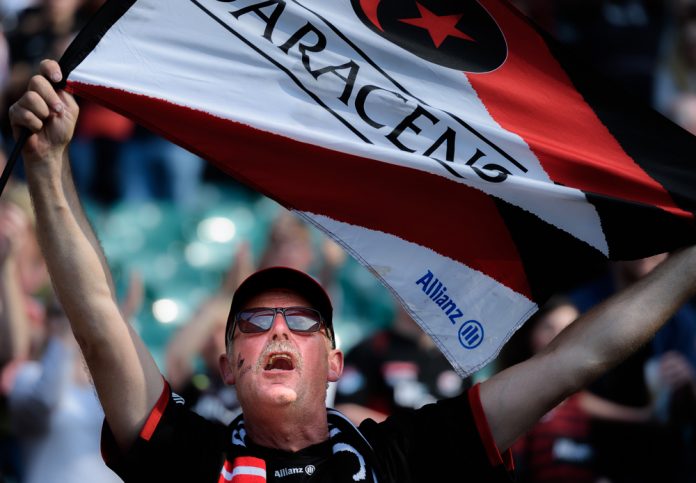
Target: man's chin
pixel 281 395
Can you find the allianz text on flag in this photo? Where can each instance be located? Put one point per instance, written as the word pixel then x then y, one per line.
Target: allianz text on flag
pixel 446 144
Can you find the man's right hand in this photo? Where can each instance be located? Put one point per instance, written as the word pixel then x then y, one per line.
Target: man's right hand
pixel 49 114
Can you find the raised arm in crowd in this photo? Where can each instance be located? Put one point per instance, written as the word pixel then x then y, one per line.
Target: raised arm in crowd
pixel 126 377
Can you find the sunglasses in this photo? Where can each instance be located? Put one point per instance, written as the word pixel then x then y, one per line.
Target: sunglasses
pixel 303 320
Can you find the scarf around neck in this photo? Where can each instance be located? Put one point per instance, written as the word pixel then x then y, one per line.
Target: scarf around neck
pixel 353 458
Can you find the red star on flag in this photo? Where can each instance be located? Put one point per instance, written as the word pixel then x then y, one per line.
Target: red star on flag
pixel 439 27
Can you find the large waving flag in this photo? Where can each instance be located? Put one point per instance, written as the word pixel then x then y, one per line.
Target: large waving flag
pixel 445 144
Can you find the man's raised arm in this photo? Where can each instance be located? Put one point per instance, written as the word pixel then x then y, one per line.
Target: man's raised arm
pixel 516 398
pixel 126 377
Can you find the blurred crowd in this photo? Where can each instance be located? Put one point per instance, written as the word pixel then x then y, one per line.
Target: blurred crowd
pixel 636 424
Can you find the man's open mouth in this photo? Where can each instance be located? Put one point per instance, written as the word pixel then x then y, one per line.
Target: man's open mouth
pixel 282 362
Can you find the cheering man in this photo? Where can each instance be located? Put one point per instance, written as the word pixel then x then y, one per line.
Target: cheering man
pixel 281 355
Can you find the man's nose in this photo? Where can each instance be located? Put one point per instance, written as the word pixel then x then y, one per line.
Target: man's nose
pixel 280 328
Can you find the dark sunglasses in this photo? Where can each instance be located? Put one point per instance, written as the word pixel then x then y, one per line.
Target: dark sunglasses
pixel 303 320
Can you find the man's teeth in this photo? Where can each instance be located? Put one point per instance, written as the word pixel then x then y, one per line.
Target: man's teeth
pixel 279 361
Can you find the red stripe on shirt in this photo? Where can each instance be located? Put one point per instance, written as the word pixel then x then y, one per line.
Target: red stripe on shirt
pixel 156 414
pixel 494 456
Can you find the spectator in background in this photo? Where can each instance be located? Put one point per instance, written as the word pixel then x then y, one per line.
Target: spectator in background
pixel 14 228
pixel 290 245
pixel 204 336
pixel 679 334
pixel 14 325
pixel 580 439
pixel 47 399
pixel 628 439
pixel 394 370
pixel 23 280
pixel 676 72
pixel 51 404
pixel 10 9
pixel 56 414
pixel 150 167
pixel 559 447
pixel 96 150
pixel 683 112
pixel 112 159
pixel 45 30
pixel 41 31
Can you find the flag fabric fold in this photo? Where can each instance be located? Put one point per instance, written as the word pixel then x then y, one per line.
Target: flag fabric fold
pixel 448 145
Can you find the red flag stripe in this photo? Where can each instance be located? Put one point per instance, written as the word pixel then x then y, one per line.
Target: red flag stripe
pixel 562 130
pixel 420 209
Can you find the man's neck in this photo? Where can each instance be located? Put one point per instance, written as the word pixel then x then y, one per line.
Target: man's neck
pixel 282 429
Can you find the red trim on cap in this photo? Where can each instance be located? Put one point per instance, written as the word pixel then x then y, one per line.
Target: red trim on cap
pixel 156 414
pixel 494 456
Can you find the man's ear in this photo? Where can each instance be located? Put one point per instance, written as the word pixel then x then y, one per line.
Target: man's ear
pixel 226 370
pixel 335 365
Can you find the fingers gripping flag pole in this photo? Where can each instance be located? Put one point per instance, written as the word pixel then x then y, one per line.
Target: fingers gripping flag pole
pixel 448 145
pixel 22 138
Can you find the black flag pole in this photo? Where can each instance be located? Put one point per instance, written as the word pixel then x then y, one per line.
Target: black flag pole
pixel 12 160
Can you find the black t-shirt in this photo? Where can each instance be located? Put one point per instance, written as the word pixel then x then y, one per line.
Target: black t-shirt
pixel 446 441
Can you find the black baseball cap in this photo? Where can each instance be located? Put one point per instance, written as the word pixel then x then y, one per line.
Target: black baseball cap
pixel 282 278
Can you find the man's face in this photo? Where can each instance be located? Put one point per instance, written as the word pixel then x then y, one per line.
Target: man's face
pixel 280 367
